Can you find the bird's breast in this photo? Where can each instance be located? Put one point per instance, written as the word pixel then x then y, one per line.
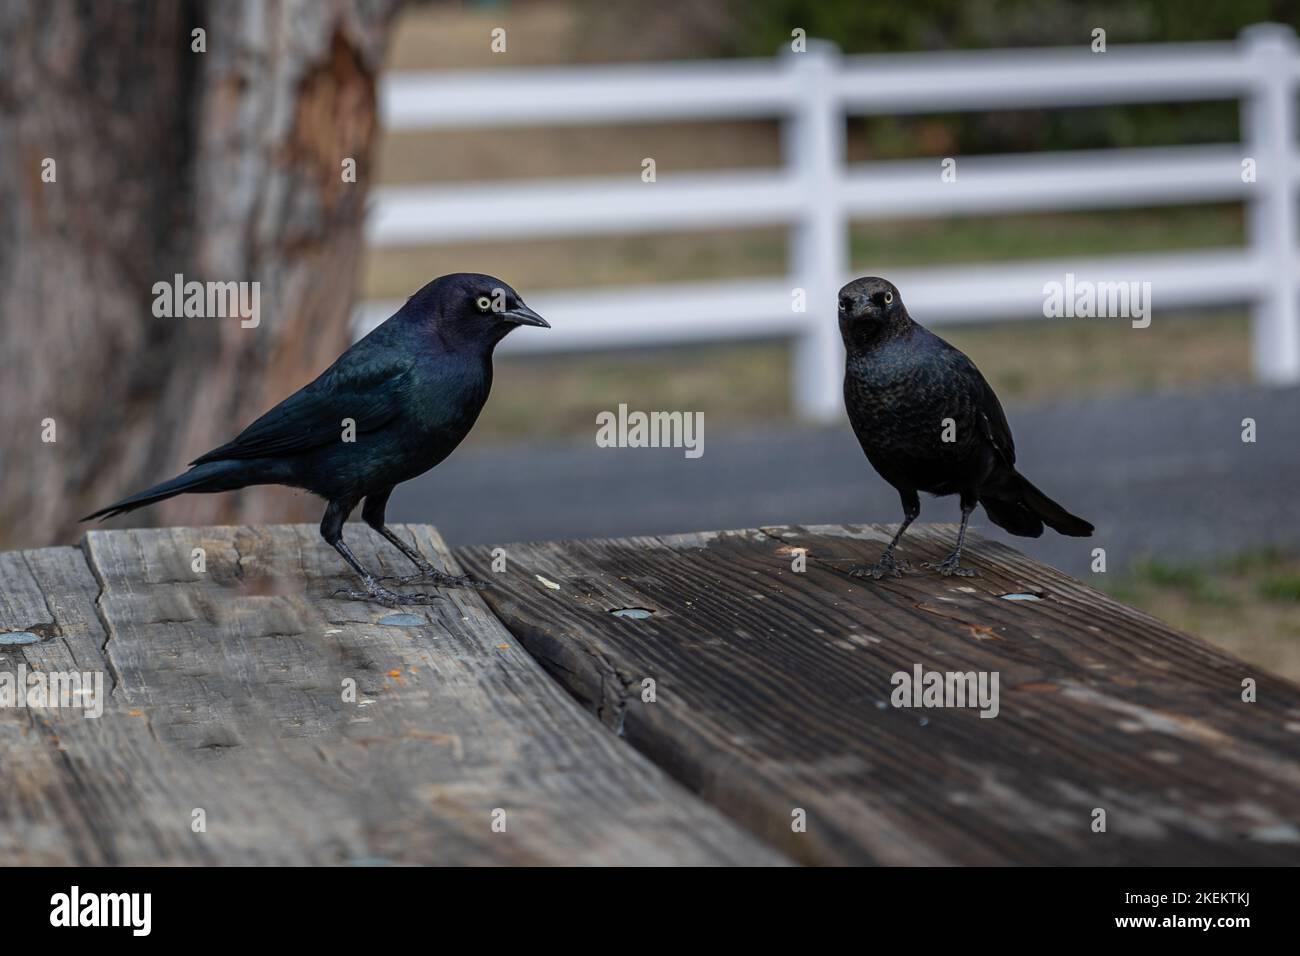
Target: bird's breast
pixel 901 407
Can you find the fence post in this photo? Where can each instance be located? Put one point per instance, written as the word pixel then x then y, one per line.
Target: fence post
pixel 1269 135
pixel 813 141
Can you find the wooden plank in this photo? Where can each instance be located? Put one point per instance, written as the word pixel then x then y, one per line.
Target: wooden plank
pixel 773 694
pixel 225 694
pixel 67 778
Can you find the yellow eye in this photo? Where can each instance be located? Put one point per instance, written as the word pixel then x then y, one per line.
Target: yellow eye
pixel 483 303
pixel 889 297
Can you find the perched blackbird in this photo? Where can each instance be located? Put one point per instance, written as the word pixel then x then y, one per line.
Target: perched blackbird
pixel 929 422
pixel 411 390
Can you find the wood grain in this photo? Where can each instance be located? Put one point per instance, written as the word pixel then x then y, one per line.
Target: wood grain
pixel 226 696
pixel 772 694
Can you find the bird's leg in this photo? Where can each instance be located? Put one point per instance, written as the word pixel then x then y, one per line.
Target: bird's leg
pixel 372 513
pixel 331 529
pixel 374 591
pixel 888 564
pixel 427 572
pixel 951 565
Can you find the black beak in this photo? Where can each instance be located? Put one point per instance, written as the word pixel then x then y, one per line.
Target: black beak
pixel 522 315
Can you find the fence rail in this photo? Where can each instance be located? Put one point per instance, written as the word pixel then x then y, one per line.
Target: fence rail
pixel 817 193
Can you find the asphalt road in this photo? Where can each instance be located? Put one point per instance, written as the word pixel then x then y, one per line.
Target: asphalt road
pixel 1165 475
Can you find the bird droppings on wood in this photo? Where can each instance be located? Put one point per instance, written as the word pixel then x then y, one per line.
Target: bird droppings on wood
pixel 19 637
pixel 400 620
pixel 632 613
pixel 29 633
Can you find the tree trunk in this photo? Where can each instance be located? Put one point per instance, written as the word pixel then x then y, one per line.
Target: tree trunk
pixel 224 165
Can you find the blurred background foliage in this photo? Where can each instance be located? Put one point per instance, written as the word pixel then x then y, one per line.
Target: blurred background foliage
pixel 760 27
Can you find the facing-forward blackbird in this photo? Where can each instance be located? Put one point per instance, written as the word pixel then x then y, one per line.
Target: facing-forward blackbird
pixel 929 422
pixel 390 408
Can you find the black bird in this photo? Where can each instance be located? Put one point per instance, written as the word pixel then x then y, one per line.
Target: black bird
pixel 929 422
pixel 405 395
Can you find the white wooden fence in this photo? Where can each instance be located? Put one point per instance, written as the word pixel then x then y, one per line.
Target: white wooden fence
pixel 816 192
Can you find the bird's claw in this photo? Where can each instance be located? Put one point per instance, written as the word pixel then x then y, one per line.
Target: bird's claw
pixel 387 597
pixel 887 566
pixel 440 579
pixel 949 567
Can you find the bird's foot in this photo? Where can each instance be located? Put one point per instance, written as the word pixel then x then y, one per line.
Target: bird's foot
pixel 887 566
pixel 379 594
pixel 439 579
pixel 949 567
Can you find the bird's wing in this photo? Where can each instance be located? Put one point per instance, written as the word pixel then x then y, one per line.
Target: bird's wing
pixel 365 387
pixel 995 425
pixel 988 410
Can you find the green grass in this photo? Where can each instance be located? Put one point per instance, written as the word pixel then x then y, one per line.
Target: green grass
pixel 1245 604
pixel 1193 580
pixel 1170 574
pixel 1280 587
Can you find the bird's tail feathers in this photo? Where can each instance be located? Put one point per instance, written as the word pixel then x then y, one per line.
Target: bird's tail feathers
pixel 1014 516
pixel 1052 514
pixel 212 476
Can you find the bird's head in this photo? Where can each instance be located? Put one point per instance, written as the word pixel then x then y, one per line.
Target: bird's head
pixel 471 307
pixel 869 300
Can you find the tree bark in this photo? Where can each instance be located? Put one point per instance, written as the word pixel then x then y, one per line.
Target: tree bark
pixel 223 165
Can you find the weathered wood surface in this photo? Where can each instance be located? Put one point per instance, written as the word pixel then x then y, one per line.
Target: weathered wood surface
pixel 773 694
pixel 226 697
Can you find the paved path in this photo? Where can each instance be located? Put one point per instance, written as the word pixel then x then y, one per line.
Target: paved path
pixel 1161 475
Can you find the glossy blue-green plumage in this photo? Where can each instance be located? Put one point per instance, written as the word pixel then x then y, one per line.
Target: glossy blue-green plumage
pixel 412 390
